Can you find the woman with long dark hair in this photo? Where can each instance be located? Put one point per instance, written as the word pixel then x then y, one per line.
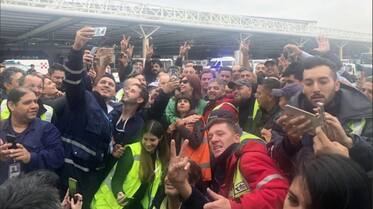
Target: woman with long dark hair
pixel 190 85
pixel 135 179
pixel 329 181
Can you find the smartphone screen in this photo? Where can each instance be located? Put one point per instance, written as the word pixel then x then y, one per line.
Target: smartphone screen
pixel 72 187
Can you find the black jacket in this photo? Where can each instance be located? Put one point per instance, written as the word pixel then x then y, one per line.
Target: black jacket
pixel 349 105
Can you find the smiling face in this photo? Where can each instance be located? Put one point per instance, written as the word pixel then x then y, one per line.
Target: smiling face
pixel 220 137
pixel 319 85
pixel 105 87
pixel 150 142
pixel 57 77
pixel 185 86
pixel 156 68
pixel 242 93
pixel 215 91
pixel 26 108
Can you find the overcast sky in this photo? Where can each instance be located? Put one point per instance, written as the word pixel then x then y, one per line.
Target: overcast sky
pixel 352 15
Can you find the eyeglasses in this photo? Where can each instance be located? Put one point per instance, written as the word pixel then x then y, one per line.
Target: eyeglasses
pixel 184 81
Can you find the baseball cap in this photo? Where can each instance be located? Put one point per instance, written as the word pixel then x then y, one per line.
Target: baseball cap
pixel 270 62
pixel 221 113
pixel 239 82
pixel 287 91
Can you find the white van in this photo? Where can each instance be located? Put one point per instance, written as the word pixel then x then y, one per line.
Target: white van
pixel 217 63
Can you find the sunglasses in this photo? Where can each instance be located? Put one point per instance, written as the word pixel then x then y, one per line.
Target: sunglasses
pixel 184 81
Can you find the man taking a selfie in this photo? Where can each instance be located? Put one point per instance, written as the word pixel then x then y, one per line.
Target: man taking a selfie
pixel 348 117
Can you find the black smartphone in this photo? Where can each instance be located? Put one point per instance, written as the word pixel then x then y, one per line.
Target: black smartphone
pixel 10 138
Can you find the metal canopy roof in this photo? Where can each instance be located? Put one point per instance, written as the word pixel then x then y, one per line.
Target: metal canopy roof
pixel 28 25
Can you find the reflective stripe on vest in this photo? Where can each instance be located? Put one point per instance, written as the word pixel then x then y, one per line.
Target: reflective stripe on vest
pixel 357 127
pixel 104 197
pixel 256 108
pixel 240 185
pixel 47 116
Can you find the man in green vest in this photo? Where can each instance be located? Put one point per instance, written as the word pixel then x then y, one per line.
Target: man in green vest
pixel 34 82
pixel 246 102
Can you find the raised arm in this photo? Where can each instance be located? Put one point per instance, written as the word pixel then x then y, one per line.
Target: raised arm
pixel 74 69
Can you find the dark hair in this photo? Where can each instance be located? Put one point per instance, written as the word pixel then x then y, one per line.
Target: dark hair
pixel 136 61
pixel 195 83
pixel 184 96
pixel 146 163
pixel 55 67
pixel 225 69
pixel 195 176
pixel 144 94
pixel 334 181
pixel 15 94
pixel 220 82
pixel 270 83
pixel 296 69
pixel 233 126
pixel 45 177
pixel 6 75
pixel 205 71
pixel 133 75
pixel 157 61
pixel 243 68
pixel 106 75
pixel 313 62
pixel 27 192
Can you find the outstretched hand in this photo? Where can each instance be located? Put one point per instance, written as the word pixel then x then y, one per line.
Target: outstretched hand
pixel 322 144
pixel 82 37
pixel 218 201
pixel 179 164
pixel 323 44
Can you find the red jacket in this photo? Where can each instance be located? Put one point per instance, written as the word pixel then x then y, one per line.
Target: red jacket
pixel 228 105
pixel 268 186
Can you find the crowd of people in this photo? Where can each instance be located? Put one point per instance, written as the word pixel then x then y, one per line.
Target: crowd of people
pixel 294 132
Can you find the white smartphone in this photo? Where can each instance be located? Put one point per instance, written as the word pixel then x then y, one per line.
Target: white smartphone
pixel 100 31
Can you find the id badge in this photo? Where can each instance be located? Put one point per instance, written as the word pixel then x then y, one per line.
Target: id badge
pixel 14 170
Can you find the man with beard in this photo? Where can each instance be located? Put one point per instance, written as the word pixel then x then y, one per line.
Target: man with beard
pixel 152 69
pixel 246 102
pixel 272 68
pixel 348 117
pixel 217 99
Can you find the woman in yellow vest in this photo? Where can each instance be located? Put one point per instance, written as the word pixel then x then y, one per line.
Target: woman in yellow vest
pixel 135 179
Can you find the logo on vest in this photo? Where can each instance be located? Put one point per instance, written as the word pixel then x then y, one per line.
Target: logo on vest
pixel 240 188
